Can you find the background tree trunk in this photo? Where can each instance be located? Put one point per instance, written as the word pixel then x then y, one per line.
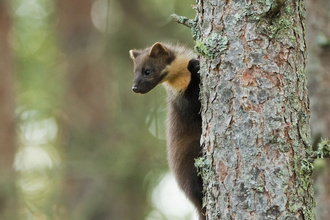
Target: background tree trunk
pixel 8 202
pixel 318 67
pixel 255 110
pixel 106 189
pixel 84 111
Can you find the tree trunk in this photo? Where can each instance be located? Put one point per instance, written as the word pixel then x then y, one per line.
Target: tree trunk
pixel 318 67
pixel 84 110
pixel 255 110
pixel 95 187
pixel 8 203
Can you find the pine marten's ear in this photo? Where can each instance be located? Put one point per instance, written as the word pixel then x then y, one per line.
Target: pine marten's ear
pixel 159 50
pixel 134 53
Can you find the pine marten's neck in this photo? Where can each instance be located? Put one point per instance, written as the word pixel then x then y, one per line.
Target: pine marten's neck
pixel 177 77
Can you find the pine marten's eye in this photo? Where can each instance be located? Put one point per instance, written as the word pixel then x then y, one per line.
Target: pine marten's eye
pixel 146 72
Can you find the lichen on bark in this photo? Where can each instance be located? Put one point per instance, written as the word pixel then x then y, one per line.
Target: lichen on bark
pixel 255 110
pixel 211 46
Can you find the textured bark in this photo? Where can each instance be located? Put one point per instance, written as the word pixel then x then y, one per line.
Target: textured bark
pixel 8 203
pixel 318 68
pixel 255 110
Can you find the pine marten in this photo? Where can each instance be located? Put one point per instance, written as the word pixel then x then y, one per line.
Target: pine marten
pixel 176 67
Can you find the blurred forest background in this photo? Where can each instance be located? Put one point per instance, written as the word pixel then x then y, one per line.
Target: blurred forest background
pixel 76 143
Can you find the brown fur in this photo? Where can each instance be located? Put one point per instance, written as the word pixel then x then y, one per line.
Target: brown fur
pixel 170 62
pixel 176 68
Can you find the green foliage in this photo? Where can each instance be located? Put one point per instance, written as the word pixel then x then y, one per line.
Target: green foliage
pixel 107 165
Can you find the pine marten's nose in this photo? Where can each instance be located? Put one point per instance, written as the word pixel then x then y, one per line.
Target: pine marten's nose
pixel 135 89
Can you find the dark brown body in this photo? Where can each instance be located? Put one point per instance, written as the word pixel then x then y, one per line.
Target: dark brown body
pixel 184 128
pixel 178 70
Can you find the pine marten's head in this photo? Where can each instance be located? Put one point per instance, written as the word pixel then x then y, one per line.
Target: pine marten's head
pixel 150 67
pixel 161 63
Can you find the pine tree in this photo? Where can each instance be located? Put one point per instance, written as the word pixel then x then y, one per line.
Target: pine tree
pixel 258 158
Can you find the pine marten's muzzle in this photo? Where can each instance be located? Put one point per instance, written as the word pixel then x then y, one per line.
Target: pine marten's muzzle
pixel 141 85
pixel 142 88
pixel 135 89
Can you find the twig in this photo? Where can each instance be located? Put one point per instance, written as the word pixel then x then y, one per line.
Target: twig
pixel 183 20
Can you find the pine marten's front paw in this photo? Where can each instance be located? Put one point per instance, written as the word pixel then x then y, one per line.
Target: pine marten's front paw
pixel 193 66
